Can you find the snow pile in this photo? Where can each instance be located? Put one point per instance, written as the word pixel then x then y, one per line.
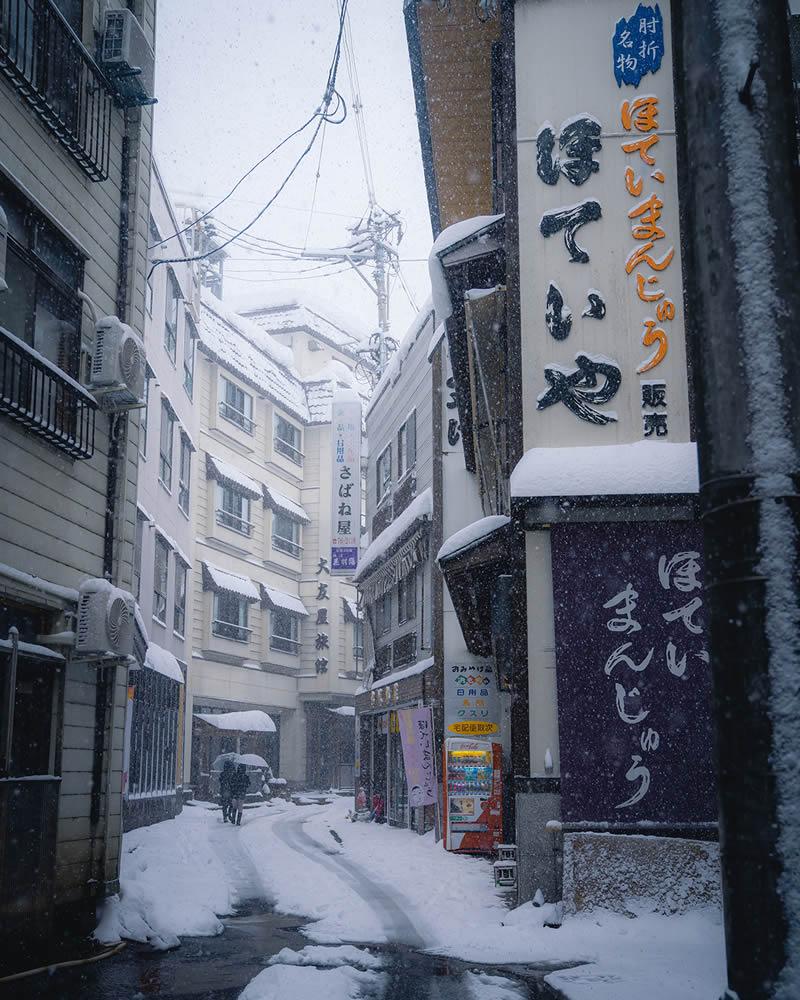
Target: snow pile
pixel 163 662
pixel 340 983
pixel 171 883
pixel 472 534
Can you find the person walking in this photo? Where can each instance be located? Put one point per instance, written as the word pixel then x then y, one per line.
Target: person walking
pixel 239 785
pixel 225 790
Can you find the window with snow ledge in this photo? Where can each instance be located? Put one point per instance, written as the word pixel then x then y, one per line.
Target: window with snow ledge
pixel 236 405
pixel 230 617
pixel 233 509
pixel 160 577
pixel 284 632
pixel 286 535
pixel 287 440
pixel 383 475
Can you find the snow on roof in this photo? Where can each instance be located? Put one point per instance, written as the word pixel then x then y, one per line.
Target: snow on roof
pixel 287 602
pixel 253 721
pixel 217 469
pixel 343 710
pixel 436 339
pixel 173 545
pixel 334 377
pixel 37 583
pixel 353 608
pixel 32 649
pixel 275 499
pixel 221 335
pixel 297 316
pixel 395 364
pixel 232 582
pixel 292 307
pixel 640 467
pixel 416 668
pixel 471 534
pixel 163 662
pixel 254 333
pixel 446 239
pixel 421 507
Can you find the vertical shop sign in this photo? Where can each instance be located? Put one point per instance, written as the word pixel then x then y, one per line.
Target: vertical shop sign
pixel 346 492
pixel 471 699
pixel 416 737
pixel 602 304
pixel 633 674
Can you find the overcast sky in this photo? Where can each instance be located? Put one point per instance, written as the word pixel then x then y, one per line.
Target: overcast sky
pixel 234 79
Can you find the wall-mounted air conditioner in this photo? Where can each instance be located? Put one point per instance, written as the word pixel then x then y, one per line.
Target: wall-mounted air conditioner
pixel 105 621
pixel 117 373
pixel 127 58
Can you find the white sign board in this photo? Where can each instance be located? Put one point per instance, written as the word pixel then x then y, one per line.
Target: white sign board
pixel 346 492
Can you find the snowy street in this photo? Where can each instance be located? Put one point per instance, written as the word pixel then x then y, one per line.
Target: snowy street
pixel 380 912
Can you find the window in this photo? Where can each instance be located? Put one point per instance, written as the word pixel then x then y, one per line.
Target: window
pixel 160 574
pixel 154 731
pixel 383 613
pixel 407 598
pixel 233 509
pixel 383 470
pixel 407 445
pixel 44 273
pixel 358 640
pixel 284 632
pixel 230 617
pixel 236 405
pixel 171 317
pixel 179 618
pixel 287 440
pixel 165 456
pixel 286 534
pixel 185 474
pixel 155 238
pixel 143 414
pixel 137 554
pixel 189 336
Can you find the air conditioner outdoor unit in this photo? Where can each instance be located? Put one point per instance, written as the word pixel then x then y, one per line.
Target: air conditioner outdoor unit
pixel 127 58
pixel 105 620
pixel 118 365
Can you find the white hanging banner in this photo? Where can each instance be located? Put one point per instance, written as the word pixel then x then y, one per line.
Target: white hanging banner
pixel 346 492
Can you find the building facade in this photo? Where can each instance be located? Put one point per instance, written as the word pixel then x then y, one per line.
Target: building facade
pixel 74 183
pixel 274 630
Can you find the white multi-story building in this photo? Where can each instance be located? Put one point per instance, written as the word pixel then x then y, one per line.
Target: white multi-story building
pixel 74 183
pixel 274 632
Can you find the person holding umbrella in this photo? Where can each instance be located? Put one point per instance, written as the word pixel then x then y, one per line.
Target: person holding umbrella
pixel 240 783
pixel 225 790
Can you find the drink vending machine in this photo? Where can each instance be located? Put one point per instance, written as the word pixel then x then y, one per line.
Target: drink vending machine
pixel 473 813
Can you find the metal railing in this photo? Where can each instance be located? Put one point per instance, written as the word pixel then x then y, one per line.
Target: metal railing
pixel 287 545
pixel 228 630
pixel 286 448
pixel 51 69
pixel 284 643
pixel 236 417
pixel 234 522
pixel 44 399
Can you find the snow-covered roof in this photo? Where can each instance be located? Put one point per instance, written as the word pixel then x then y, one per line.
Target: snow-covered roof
pixel 289 308
pixel 37 583
pixel 217 469
pixel 343 710
pixel 253 721
pixel 471 534
pixel 445 241
pixel 416 668
pixel 420 507
pixel 352 609
pixel 163 662
pixel 32 649
pixel 275 499
pixel 254 333
pixel 286 602
pixel 641 467
pixel 222 336
pixel 221 579
pixel 173 545
pixel 395 364
pixel 436 339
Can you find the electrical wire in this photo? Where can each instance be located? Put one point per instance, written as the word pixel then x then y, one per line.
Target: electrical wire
pixel 316 185
pixel 323 115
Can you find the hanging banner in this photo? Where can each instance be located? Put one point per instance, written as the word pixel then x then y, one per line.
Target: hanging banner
pixel 633 674
pixel 346 492
pixel 416 736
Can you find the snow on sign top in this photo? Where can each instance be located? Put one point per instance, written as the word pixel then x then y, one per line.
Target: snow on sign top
pixel 471 534
pixel 253 721
pixel 639 467
pixel 163 662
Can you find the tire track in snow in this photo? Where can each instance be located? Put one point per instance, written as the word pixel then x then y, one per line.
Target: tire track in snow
pixel 396 923
pixel 244 881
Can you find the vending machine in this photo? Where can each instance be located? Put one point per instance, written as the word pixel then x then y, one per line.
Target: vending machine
pixel 473 804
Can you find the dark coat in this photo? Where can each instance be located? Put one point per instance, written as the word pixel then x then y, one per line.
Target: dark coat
pixel 225 779
pixel 240 784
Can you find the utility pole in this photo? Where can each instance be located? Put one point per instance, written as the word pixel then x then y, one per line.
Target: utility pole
pixel 739 200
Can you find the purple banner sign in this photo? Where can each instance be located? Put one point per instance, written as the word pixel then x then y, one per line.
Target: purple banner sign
pixel 416 736
pixel 633 674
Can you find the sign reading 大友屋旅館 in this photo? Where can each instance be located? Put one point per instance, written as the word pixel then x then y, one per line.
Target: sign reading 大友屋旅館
pixel 603 342
pixel 471 700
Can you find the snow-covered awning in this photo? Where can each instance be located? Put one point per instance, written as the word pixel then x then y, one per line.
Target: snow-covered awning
pixel 215 578
pixel 32 651
pixel 163 662
pixel 343 710
pixel 352 612
pixel 277 501
pixel 460 242
pixel 226 473
pixel 397 549
pixel 416 668
pixel 279 600
pixel 472 534
pixel 641 467
pixel 253 721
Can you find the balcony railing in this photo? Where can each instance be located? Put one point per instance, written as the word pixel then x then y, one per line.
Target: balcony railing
pixel 45 399
pixel 236 417
pixel 288 449
pixel 229 630
pixel 287 545
pixel 284 643
pixel 234 522
pixel 47 63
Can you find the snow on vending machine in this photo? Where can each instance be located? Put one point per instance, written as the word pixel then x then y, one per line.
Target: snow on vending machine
pixel 473 814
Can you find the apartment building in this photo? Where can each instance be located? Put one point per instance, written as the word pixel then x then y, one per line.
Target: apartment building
pixel 75 131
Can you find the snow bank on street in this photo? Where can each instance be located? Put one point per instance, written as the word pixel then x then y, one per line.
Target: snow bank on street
pixel 299 983
pixel 171 883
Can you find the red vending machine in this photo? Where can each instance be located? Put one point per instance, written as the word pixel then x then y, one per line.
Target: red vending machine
pixel 473 805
